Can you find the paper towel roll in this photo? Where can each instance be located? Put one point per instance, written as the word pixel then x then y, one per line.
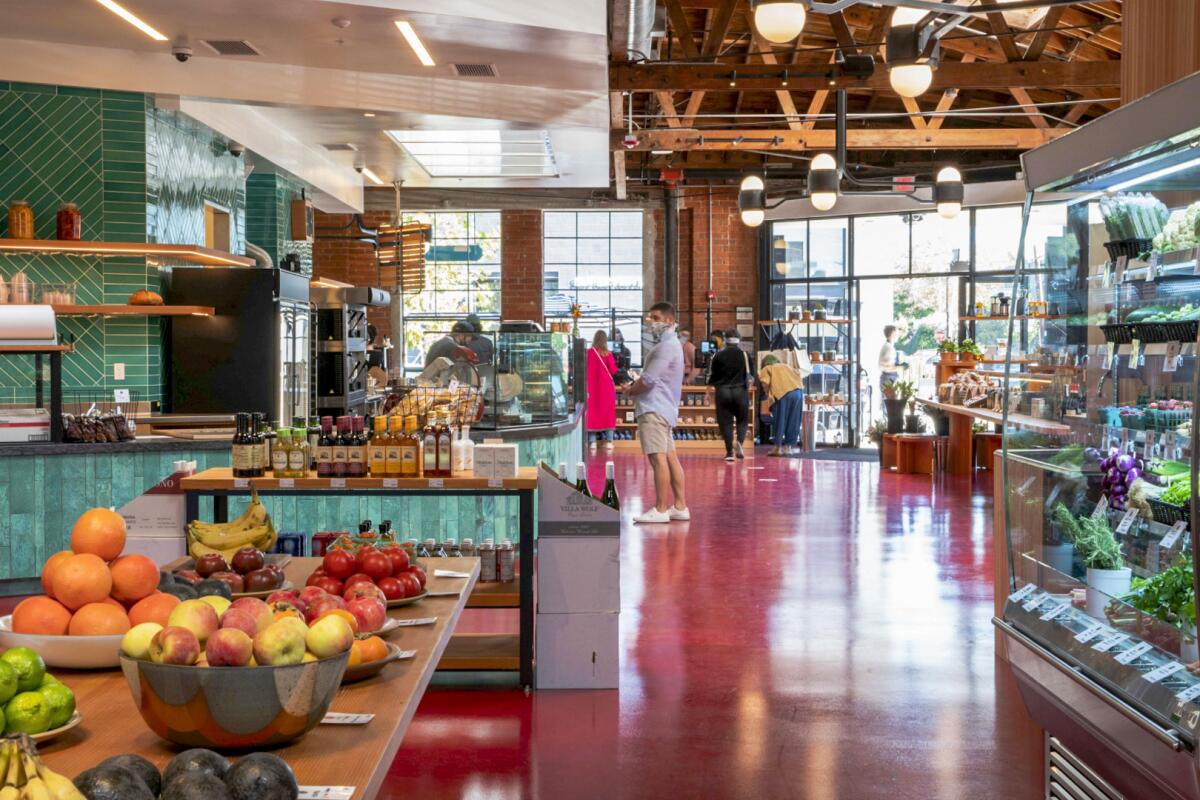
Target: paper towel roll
pixel 27 324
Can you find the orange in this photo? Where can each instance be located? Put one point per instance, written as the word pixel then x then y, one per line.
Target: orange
pixel 41 615
pixel 280 613
pixel 48 570
pixel 81 579
pixel 355 654
pixel 373 649
pixel 344 614
pixel 134 577
pixel 156 607
pixel 100 532
pixel 99 619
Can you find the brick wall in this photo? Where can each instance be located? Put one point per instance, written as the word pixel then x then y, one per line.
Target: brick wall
pixel 734 259
pixel 351 262
pixel 521 264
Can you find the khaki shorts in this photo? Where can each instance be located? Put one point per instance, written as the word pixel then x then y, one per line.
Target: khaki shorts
pixel 654 434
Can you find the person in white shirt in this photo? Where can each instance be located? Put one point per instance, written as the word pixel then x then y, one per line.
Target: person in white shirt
pixel 889 369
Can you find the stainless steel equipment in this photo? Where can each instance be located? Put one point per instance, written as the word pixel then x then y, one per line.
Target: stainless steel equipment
pixel 341 346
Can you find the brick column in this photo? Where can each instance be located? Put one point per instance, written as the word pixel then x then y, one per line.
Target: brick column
pixel 353 262
pixel 521 265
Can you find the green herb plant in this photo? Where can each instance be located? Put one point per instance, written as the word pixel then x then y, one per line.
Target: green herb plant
pixel 1168 596
pixel 947 346
pixel 905 390
pixel 1178 493
pixel 968 346
pixel 1096 544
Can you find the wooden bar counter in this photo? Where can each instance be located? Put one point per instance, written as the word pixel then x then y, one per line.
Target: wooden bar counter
pixel 960 459
pixel 330 755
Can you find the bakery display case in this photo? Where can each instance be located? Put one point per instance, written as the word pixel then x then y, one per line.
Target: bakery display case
pixel 532 380
pixel 1097 605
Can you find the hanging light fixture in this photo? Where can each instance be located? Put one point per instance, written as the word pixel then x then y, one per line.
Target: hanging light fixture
pixel 779 21
pixel 948 192
pixel 823 180
pixel 912 53
pixel 752 201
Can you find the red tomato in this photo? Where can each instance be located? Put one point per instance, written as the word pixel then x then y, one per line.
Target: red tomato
pixel 393 588
pixel 418 573
pixel 331 585
pixel 377 565
pixel 316 576
pixel 399 559
pixel 358 577
pixel 412 584
pixel 340 564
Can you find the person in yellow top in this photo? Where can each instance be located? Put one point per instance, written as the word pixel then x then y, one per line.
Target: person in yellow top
pixel 784 387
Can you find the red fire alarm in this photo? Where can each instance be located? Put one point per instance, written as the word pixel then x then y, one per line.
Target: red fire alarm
pixel 711 297
pixel 670 177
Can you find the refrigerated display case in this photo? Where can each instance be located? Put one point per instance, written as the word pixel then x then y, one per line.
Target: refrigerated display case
pixel 1097 608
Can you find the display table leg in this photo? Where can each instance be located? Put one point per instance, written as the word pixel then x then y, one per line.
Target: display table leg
pixel 960 461
pixel 889 452
pixel 526 545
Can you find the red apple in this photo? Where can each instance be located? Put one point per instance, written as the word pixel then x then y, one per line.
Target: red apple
pixel 370 612
pixel 310 593
pixel 340 564
pixel 319 606
pixel 260 611
pixel 358 577
pixel 236 584
pixel 174 645
pixel 189 575
pixel 399 558
pixel 331 585
pixel 412 586
pixel 241 619
pixel 392 589
pixel 209 563
pixel 229 647
pixel 363 590
pixel 247 559
pixel 419 573
pixel 281 643
pixel 376 565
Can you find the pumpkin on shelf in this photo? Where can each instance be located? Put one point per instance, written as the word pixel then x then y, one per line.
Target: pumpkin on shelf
pixel 145 297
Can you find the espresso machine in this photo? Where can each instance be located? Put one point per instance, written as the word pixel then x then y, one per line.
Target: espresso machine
pixel 341 342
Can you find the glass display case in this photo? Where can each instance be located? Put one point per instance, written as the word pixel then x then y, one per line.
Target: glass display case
pixel 1098 607
pixel 532 381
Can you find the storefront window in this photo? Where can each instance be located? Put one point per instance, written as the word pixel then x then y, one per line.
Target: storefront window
pixel 941 245
pixel 881 245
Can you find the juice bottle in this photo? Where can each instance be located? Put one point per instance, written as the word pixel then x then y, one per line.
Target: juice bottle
pixel 395 448
pixel 377 449
pixel 297 457
pixel 279 453
pixel 410 449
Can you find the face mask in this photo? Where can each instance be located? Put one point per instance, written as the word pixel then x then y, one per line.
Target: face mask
pixel 652 333
pixel 684 339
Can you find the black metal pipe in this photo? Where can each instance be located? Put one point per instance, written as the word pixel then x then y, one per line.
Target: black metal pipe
pixel 841 131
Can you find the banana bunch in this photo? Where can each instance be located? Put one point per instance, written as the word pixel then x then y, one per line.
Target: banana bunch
pixel 25 777
pixel 253 527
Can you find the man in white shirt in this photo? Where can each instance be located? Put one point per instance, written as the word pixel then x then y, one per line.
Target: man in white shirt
pixel 889 370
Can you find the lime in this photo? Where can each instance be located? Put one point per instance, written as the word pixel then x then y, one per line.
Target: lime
pixel 28 712
pixel 8 682
pixel 29 666
pixel 61 701
pixel 48 679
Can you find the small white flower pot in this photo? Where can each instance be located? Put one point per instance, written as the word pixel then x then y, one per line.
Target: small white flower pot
pixel 1059 557
pixel 1103 585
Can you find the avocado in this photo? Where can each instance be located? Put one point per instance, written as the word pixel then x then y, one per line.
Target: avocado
pixel 182 591
pixel 165 579
pixel 195 760
pixel 262 776
pixel 196 786
pixel 138 766
pixel 111 783
pixel 209 587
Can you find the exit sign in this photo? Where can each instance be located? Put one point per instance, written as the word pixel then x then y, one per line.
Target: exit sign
pixel 904 183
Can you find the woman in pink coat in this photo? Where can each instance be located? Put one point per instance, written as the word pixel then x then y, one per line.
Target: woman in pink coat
pixel 602 394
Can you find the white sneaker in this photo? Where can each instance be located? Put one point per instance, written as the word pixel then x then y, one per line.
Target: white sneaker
pixel 652 515
pixel 679 513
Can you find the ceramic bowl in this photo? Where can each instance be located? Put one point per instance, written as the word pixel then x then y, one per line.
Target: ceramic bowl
pixel 65 652
pixel 233 708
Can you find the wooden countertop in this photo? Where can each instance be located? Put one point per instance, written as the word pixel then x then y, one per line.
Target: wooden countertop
pixel 330 755
pixel 1035 424
pixel 222 478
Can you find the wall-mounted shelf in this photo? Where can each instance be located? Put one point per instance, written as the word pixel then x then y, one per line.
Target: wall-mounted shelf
pixel 1022 316
pixel 36 348
pixel 190 254
pixel 132 311
pixel 805 321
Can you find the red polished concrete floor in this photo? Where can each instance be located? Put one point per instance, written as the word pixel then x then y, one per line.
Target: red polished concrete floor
pixel 814 632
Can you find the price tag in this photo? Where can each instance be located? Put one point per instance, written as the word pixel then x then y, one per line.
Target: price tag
pixel 1109 642
pixel 1131 655
pixel 453 385
pixel 1171 359
pixel 1135 352
pixel 1122 262
pixel 1094 630
pixel 325 793
pixel 333 718
pixel 449 573
pixel 436 483
pixel 1036 601
pixel 1101 508
pixel 287 483
pixel 1022 593
pixel 1110 352
pixel 1196 261
pixel 495 483
pixel 1172 536
pixel 1127 521
pixel 391 483
pixel 1165 671
pixel 1152 266
pixel 241 483
pixel 410 623
pixel 1054 612
pixel 337 483
pixel 1107 274
pixel 1190 693
pixel 120 395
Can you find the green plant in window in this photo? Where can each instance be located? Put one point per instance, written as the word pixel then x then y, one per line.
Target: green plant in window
pixel 947 346
pixel 1168 596
pixel 968 346
pixel 905 390
pixel 1096 545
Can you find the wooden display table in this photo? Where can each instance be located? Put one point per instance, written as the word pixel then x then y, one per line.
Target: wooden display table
pixel 909 453
pixel 986 445
pixel 330 755
pixel 960 459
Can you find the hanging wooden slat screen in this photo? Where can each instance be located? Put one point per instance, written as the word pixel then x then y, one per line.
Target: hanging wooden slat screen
pixel 402 255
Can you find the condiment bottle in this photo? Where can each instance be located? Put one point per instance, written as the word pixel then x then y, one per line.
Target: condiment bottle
pixel 297 457
pixel 429 450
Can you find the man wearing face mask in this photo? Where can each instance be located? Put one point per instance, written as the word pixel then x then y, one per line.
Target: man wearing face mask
pixel 656 394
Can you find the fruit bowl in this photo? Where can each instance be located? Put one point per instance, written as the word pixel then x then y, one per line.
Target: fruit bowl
pixel 283 587
pixel 407 601
pixel 233 707
pixel 360 672
pixel 68 652
pixel 54 733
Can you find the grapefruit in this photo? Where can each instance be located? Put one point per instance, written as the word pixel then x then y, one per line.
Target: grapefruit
pixel 41 615
pixel 134 576
pixel 48 570
pixel 99 619
pixel 81 579
pixel 156 607
pixel 100 532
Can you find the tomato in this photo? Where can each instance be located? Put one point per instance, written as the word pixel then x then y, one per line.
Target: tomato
pixel 393 588
pixel 340 564
pixel 358 577
pixel 417 572
pixel 331 585
pixel 412 584
pixel 316 576
pixel 399 558
pixel 376 565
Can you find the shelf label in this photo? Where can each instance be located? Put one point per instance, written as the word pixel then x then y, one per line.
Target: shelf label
pixel 1127 522
pixel 334 718
pixel 436 483
pixel 409 623
pixel 1172 536
pixel 120 395
pixel 495 483
pixel 1190 693
pixel 1021 594
pixel 1165 671
pixel 1122 262
pixel 1132 654
pixel 1171 360
pixel 1109 642
pixel 287 483
pixel 450 573
pixel 1055 612
pixel 1036 601
pixel 1135 352
pixel 1152 266
pixel 1091 632
pixel 1110 352
pixel 1196 261
pixel 337 483
pixel 391 483
pixel 1101 508
pixel 241 483
pixel 326 793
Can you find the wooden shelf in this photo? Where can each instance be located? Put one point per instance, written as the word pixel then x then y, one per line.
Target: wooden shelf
pixel 221 479
pixel 190 254
pixel 806 321
pixel 36 348
pixel 133 311
pixel 1023 316
pixel 495 594
pixel 482 652
pixel 835 363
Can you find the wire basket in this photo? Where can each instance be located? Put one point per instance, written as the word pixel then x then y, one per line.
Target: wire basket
pixel 89 417
pixel 457 404
pixel 1168 514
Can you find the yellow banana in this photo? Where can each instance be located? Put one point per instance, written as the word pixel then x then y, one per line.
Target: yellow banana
pixel 6 751
pixel 60 786
pixel 35 787
pixel 231 541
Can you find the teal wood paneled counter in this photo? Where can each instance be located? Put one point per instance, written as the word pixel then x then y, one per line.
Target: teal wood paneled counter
pixel 45 487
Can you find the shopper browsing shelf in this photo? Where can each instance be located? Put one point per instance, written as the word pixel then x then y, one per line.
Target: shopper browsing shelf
pixel 479 344
pixel 656 394
pixel 889 367
pixel 730 374
pixel 602 394
pixel 783 387
pixel 690 370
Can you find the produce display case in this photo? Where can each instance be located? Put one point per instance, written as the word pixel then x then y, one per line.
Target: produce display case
pixel 1097 607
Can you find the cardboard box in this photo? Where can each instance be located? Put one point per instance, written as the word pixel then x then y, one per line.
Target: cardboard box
pixel 485 461
pixel 578 574
pixel 505 460
pixel 577 651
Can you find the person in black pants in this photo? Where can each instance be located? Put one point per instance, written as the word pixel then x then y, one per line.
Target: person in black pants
pixel 729 373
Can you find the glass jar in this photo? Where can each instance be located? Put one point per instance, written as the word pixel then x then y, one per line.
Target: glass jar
pixel 70 223
pixel 20 220
pixel 57 294
pixel 20 289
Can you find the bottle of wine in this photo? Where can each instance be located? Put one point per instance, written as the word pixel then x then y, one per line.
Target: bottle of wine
pixel 325 448
pixel 341 448
pixel 581 484
pixel 562 473
pixel 242 458
pixel 609 496
pixel 314 441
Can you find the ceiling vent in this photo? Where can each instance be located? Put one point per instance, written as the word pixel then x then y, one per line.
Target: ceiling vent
pixel 475 70
pixel 340 147
pixel 231 47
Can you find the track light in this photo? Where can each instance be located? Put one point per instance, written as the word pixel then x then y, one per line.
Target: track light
pixel 823 180
pixel 779 21
pixel 948 192
pixel 912 53
pixel 752 201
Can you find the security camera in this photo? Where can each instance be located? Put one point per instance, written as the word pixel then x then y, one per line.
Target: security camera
pixel 630 141
pixel 181 52
pixel 359 168
pixel 236 149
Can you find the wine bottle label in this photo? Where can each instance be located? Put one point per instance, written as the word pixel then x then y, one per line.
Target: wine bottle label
pixel 444 452
pixel 355 454
pixel 339 455
pixel 325 454
pixel 431 451
pixel 394 453
pixel 296 459
pixel 242 458
pixel 280 459
pixel 379 455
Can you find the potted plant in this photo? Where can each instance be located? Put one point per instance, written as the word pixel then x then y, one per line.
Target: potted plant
pixel 875 434
pixel 948 350
pixel 1058 550
pixel 1170 597
pixel 941 421
pixel 968 352
pixel 819 312
pixel 912 420
pixel 894 406
pixel 1107 575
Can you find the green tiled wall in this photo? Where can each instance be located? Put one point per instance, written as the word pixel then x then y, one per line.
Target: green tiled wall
pixel 269 199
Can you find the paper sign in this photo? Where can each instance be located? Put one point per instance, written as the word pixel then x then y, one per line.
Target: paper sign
pixel 120 395
pixel 1152 266
pixel 1172 536
pixel 1021 594
pixel 1109 353
pixel 1127 521
pixel 1036 601
pixel 495 483
pixel 1085 636
pixel 1054 612
pixel 1190 693
pixel 442 594
pixel 436 483
pixel 1109 642
pixel 325 793
pixel 241 483
pixel 1135 352
pixel 449 573
pixel 1131 655
pixel 410 623
pixel 337 483
pixel 1101 508
pixel 1165 671
pixel 287 483
pixel 390 483
pixel 333 718
pixel 404 655
pixel 1171 359
pixel 1196 262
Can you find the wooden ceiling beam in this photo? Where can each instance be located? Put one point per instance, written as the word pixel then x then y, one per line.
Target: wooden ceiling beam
pixel 950 75
pixel 784 96
pixel 679 139
pixel 683 29
pixel 1008 44
pixel 947 99
pixel 713 41
pixel 1042 38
